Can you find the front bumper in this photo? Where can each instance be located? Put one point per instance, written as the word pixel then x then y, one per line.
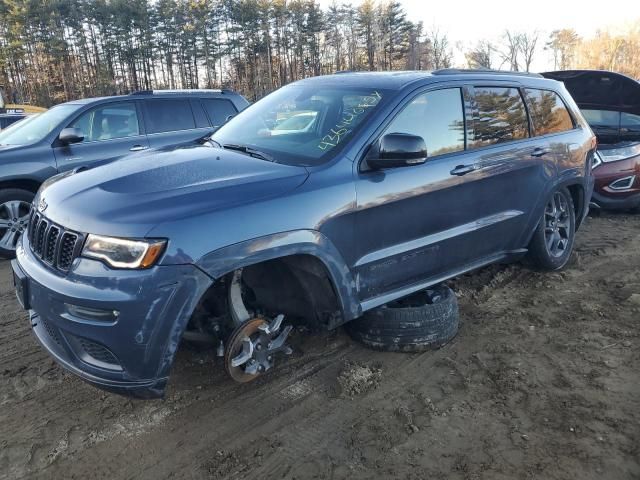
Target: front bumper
pixel 617 199
pixel 610 202
pixel 116 329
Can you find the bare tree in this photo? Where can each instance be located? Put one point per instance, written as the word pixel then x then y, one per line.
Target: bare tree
pixel 439 49
pixel 481 56
pixel 527 43
pixel 510 53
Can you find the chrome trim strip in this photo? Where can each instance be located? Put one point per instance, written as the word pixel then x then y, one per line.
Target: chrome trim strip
pixel 437 237
pixel 629 183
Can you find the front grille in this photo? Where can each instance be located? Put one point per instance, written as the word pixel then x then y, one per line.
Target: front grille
pixel 52 243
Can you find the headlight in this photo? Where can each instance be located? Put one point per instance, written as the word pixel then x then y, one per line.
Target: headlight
pixel 620 153
pixel 122 252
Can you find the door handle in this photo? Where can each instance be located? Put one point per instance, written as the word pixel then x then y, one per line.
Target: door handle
pixel 539 152
pixel 137 148
pixel 462 170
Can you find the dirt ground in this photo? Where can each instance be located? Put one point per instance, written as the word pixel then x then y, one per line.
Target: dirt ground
pixel 543 381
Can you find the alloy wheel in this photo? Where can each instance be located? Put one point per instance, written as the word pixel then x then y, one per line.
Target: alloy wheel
pixel 14 218
pixel 557 229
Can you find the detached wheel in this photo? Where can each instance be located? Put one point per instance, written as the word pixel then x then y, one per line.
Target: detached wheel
pixel 15 205
pixel 425 320
pixel 552 242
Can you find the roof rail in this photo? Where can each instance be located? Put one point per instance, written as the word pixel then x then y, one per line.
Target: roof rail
pixel 451 71
pixel 180 92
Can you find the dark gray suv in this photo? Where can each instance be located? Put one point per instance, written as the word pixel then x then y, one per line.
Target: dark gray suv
pixel 86 133
pixel 321 202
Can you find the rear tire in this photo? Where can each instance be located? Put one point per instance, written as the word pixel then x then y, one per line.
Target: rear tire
pixel 14 217
pixel 552 242
pixel 423 321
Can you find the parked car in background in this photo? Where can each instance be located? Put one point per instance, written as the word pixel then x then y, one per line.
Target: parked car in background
pixel 297 123
pixel 610 102
pixel 10 117
pixel 90 132
pixel 406 179
pixel 11 113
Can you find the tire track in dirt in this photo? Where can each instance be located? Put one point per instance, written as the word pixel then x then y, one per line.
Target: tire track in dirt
pixel 541 382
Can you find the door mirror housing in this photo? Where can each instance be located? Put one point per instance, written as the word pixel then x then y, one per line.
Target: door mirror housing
pixel 71 135
pixel 398 150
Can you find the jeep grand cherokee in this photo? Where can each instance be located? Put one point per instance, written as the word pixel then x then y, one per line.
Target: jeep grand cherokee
pixel 403 180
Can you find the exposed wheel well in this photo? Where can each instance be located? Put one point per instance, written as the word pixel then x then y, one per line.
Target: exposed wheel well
pixel 23 184
pixel 298 286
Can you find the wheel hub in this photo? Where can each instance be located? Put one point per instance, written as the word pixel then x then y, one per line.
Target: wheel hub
pixel 252 347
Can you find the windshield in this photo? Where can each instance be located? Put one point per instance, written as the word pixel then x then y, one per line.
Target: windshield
pixel 33 129
pixel 301 125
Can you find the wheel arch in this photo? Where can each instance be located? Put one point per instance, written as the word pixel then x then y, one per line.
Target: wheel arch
pixel 576 189
pixel 28 184
pixel 304 252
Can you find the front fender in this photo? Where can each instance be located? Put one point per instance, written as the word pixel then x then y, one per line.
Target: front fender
pixel 298 242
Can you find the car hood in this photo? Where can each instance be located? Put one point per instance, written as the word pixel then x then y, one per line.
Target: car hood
pixel 600 90
pixel 132 195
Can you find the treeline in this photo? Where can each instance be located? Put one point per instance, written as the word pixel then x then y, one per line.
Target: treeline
pixel 57 50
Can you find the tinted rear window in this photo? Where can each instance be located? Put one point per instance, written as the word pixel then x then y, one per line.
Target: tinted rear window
pixel 168 115
pixel 502 116
pixel 198 112
pixel 219 110
pixel 548 112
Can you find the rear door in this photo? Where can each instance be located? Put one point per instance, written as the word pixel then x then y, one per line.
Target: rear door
pixel 174 121
pixel 111 131
pixel 515 167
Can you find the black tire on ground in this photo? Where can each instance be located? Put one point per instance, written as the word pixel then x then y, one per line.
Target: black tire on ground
pixel 423 321
pixel 552 242
pixel 7 197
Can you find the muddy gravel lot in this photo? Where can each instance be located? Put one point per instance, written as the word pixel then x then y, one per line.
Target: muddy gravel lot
pixel 543 381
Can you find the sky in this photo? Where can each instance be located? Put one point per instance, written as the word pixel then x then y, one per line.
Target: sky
pixel 467 21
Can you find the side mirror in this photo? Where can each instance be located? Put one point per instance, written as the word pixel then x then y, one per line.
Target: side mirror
pixel 398 150
pixel 71 135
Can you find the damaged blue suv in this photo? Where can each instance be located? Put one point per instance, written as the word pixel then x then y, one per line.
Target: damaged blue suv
pixel 328 198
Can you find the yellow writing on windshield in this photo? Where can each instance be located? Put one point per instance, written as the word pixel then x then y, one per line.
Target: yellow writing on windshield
pixel 348 119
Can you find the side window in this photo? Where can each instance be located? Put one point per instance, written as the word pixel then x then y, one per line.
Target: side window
pixel 548 112
pixel 437 117
pixel 199 115
pixel 218 110
pixel 502 116
pixel 115 120
pixel 169 115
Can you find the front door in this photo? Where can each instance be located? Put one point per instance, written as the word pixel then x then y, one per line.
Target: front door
pixel 110 131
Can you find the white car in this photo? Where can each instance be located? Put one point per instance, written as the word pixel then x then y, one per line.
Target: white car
pixel 298 123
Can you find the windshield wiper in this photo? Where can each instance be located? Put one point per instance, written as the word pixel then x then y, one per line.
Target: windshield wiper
pixel 249 151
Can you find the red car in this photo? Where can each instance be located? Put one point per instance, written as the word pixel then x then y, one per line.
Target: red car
pixel 610 102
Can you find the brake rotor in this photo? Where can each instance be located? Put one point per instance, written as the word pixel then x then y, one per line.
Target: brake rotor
pixel 235 345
